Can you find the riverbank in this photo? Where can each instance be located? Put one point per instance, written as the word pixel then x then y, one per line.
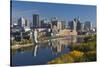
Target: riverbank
pixel 20 46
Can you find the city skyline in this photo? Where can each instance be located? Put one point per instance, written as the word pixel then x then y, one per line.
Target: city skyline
pixel 48 10
pixel 56 33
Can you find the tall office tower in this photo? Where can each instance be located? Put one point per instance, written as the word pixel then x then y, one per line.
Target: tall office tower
pixel 54 21
pixel 78 24
pixel 72 25
pixel 75 25
pixel 42 23
pixel 45 23
pixel 82 27
pixel 59 25
pixel 27 23
pixel 64 24
pixel 21 22
pixel 54 25
pixel 36 22
pixel 87 26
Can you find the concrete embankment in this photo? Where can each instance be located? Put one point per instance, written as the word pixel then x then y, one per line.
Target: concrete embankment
pixel 20 46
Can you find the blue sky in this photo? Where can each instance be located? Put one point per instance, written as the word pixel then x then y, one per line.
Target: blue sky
pixel 48 10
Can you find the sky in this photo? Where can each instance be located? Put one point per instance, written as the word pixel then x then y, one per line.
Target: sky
pixel 48 10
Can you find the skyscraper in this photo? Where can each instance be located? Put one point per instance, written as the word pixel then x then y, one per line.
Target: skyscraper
pixel 64 24
pixel 78 23
pixel 45 23
pixel 54 21
pixel 21 22
pixel 87 26
pixel 27 24
pixel 36 22
pixel 72 25
pixel 75 25
pixel 59 25
pixel 82 26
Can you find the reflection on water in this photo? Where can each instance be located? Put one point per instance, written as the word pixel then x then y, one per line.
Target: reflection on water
pixel 43 52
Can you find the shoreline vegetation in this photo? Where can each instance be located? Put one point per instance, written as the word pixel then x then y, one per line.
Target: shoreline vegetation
pixel 83 52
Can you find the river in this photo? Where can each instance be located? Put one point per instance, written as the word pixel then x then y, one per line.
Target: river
pixel 41 53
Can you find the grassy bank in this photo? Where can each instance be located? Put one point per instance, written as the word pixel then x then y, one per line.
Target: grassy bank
pixel 82 52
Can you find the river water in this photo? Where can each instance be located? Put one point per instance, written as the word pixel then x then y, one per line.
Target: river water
pixel 41 53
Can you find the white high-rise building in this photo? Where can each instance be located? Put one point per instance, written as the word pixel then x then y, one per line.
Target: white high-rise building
pixel 24 24
pixel 59 25
pixel 21 22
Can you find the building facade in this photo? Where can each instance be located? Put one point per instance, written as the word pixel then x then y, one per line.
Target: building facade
pixel 21 22
pixel 75 25
pixel 87 26
pixel 36 22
